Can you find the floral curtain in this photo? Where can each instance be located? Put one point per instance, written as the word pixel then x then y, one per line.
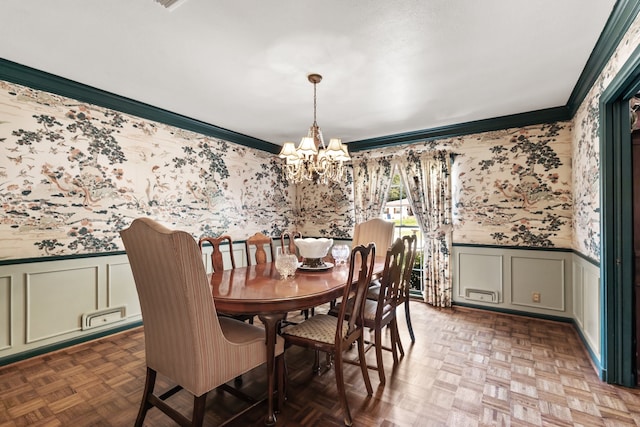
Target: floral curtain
pixel 371 180
pixel 427 177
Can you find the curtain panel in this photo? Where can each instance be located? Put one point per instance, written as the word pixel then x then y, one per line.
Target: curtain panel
pixel 371 181
pixel 427 177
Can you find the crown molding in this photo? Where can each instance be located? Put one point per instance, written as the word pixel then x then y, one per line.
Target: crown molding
pixel 41 80
pixel 623 14
pixel 548 115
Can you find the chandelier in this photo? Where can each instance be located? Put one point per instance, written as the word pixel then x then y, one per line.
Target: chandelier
pixel 312 160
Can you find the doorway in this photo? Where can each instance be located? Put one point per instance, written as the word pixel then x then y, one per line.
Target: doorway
pixel 617 264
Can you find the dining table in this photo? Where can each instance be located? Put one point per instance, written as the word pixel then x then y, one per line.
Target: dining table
pixel 260 290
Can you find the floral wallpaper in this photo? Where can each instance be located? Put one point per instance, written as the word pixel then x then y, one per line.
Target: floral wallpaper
pixel 72 175
pixel 510 187
pixel 586 151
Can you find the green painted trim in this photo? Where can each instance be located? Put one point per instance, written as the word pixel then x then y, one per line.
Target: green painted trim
pixel 548 115
pixel 515 312
pixel 617 224
pixel 521 248
pixel 623 14
pixel 602 373
pixel 57 258
pixel 64 344
pixel 590 260
pixel 35 79
pixel 529 248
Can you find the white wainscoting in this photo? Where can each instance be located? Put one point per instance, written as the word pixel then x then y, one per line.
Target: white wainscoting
pixel 586 303
pixel 568 285
pixel 514 276
pixel 42 303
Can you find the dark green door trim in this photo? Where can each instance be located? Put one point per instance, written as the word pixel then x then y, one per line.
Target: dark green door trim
pixel 616 267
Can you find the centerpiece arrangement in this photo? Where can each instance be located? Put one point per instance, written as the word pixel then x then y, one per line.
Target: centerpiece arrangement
pixel 313 251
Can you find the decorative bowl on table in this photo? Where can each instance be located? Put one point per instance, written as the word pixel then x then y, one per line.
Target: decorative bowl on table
pixel 313 251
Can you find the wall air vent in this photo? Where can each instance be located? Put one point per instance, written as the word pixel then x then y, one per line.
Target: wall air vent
pixel 104 317
pixel 170 4
pixel 481 295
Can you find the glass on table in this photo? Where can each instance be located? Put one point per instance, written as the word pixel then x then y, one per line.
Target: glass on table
pixel 340 253
pixel 286 262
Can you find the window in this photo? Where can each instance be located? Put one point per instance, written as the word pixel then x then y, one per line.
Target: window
pixel 398 210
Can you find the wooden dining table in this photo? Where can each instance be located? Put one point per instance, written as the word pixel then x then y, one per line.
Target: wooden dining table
pixel 259 290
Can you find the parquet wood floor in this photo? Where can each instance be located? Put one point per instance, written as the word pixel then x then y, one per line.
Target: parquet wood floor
pixel 467 368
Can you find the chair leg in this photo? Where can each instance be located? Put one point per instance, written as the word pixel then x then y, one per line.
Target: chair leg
pixel 394 340
pixel 199 404
pixel 363 366
pixel 281 374
pixel 342 394
pixel 378 346
pixel 398 341
pixel 408 316
pixel 149 384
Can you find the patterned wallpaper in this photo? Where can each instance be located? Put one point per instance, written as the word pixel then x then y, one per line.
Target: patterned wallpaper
pixel 510 187
pixel 586 151
pixel 72 175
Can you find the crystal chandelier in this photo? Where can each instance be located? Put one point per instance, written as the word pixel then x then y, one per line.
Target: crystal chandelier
pixel 312 160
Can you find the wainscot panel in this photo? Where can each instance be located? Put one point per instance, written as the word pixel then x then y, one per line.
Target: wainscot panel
pixel 586 304
pixel 42 303
pixel 5 313
pixel 525 280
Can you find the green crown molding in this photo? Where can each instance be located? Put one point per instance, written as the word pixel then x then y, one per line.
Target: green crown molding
pixel 623 14
pixel 505 122
pixel 40 80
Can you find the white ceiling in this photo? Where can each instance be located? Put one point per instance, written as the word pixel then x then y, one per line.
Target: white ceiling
pixel 388 66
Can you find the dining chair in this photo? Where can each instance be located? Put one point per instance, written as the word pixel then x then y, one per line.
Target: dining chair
pixel 410 250
pixel 185 341
pixel 217 265
pixel 380 313
pixel 336 334
pixel 376 230
pixel 217 261
pixel 257 242
pixel 289 237
pixel 287 240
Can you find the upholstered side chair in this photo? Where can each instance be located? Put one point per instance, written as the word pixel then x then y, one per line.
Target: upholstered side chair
pixel 184 338
pixel 376 230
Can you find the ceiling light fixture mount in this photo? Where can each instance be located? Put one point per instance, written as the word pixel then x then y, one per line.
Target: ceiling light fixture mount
pixel 312 160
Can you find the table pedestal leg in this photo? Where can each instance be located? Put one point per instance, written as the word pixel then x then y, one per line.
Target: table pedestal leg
pixel 271 322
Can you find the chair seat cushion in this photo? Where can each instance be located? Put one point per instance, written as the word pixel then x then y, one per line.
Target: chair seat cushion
pixel 370 308
pixel 373 292
pixel 242 333
pixel 320 328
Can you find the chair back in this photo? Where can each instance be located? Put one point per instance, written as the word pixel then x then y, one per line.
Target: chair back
pixel 391 279
pixel 361 265
pixel 375 230
pixel 182 334
pixel 217 261
pixel 288 237
pixel 258 241
pixel 411 248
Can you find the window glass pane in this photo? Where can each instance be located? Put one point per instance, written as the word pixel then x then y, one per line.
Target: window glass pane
pixel 398 210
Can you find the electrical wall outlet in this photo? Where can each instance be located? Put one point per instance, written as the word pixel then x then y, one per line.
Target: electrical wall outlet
pixel 535 297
